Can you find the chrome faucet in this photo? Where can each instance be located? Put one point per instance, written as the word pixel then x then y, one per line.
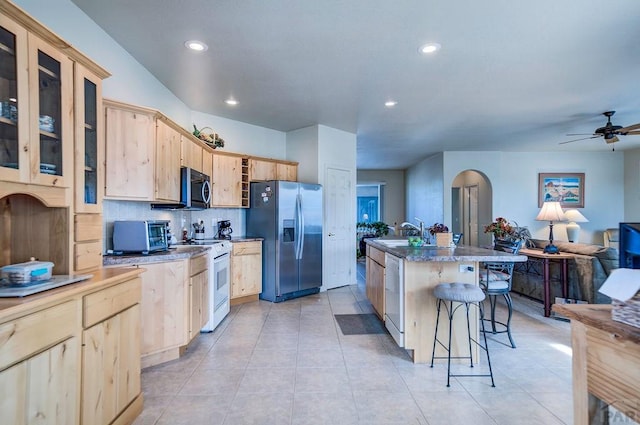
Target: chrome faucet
pixel 413 226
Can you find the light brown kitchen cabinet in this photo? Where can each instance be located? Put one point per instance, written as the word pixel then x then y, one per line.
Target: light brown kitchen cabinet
pixel 207 161
pixel 164 310
pixel 130 148
pixel 38 79
pixel 226 180
pixel 87 232
pixel 260 169
pixel 110 352
pixel 89 141
pixel 287 172
pixel 39 366
pixel 246 271
pixel 191 154
pixel 167 166
pixel 375 279
pixel 198 294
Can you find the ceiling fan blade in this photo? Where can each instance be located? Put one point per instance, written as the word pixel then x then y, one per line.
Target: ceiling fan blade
pixel 626 130
pixel 632 133
pixel 612 140
pixel 576 140
pixel 582 134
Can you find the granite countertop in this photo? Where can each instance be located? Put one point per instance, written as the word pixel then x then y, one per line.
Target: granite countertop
pixel 179 253
pixel 433 253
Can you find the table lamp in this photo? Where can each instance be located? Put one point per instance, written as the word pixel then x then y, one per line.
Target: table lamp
pixel 573 230
pixel 551 211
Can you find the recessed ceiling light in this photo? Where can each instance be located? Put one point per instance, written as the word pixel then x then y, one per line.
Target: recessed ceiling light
pixel 196 45
pixel 429 48
pixel 390 103
pixel 231 102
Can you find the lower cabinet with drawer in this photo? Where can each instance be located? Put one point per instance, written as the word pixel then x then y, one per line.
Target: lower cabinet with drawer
pixel 111 354
pixel 40 366
pixel 198 293
pixel 246 271
pixel 73 356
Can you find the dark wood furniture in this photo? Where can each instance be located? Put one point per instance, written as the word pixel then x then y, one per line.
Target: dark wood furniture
pixel 563 258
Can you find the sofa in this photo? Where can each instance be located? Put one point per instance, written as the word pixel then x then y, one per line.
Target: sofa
pixel 587 271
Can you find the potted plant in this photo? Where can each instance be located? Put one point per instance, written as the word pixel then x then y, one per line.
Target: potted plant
pixel 441 232
pixel 375 229
pixel 502 228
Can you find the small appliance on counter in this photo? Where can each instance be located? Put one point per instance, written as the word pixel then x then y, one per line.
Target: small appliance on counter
pixel 140 236
pixel 22 279
pixel 224 229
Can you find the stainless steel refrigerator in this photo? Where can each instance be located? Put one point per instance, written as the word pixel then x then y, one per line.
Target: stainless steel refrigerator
pixel 288 215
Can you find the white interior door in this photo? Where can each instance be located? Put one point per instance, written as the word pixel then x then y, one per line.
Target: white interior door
pixel 338 252
pixel 470 200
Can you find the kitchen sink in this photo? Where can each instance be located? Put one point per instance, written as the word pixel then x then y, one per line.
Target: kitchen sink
pixel 393 242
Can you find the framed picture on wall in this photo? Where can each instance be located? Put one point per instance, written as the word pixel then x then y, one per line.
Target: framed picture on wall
pixel 566 188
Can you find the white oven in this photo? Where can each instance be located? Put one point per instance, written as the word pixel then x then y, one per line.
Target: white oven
pixel 219 284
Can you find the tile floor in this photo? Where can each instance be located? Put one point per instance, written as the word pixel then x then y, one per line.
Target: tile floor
pixel 288 363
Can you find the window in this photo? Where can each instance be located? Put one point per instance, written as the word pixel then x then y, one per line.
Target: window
pixel 368 203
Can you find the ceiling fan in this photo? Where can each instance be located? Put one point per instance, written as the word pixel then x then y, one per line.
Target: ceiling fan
pixel 610 132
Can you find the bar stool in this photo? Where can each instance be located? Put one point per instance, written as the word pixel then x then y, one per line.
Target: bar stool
pixel 465 295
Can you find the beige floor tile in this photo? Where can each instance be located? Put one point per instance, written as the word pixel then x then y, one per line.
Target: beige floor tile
pixel 263 409
pixel 335 408
pixel 382 407
pixel 322 379
pixel 270 380
pixel 289 363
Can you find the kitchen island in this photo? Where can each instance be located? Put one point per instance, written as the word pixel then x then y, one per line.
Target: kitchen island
pixel 400 282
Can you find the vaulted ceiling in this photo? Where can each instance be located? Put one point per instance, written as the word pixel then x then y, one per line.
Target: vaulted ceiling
pixel 510 76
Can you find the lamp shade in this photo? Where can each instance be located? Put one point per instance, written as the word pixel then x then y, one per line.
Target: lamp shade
pixel 575 216
pixel 551 211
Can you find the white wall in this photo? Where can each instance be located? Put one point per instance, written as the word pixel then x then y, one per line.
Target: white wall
pixel 425 191
pixel 514 180
pixel 130 81
pixel 393 196
pixel 302 146
pixel 632 186
pixel 242 137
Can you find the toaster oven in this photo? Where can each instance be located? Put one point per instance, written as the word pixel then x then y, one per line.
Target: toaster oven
pixel 140 236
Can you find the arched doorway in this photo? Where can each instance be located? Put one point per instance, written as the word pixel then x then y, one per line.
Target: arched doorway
pixel 471 207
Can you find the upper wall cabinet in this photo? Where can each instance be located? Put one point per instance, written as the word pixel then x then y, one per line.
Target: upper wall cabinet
pixel 167 167
pixel 130 147
pixel 260 169
pixel 36 97
pixel 89 149
pixel 227 183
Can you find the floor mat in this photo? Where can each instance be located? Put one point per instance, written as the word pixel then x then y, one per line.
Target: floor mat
pixel 360 324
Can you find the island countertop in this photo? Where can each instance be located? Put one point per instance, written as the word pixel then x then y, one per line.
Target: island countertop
pixel 460 253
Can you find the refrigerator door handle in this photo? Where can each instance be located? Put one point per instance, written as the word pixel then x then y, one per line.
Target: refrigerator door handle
pixel 301 233
pixel 297 227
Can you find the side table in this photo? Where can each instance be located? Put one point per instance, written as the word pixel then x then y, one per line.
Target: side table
pixel 563 258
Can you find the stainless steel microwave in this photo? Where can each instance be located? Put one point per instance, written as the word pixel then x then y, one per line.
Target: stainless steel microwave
pixel 195 192
pixel 144 237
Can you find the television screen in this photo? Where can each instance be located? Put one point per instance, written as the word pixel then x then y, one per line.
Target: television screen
pixel 630 245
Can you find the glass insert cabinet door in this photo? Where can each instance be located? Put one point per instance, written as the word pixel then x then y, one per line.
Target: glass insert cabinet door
pixel 51 120
pixel 36 116
pixel 89 141
pixel 13 98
